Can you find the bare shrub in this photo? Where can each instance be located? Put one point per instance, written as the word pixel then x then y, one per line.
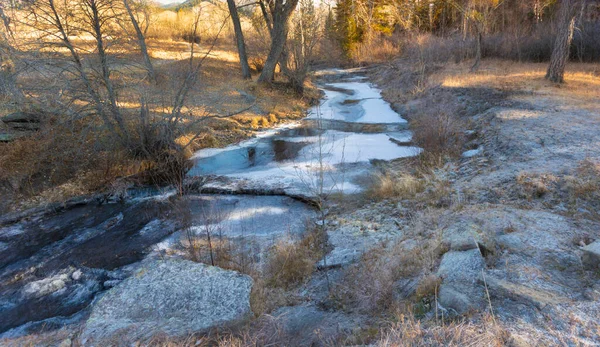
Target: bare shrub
pixel 369 285
pixel 440 133
pixel 378 50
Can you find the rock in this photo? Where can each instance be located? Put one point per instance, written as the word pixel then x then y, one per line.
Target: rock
pixel 111 283
pixel 465 235
pixel 66 343
pixel 306 325
pixel 460 272
pixel 405 288
pixel 536 297
pixel 174 297
pixel 591 256
pixel 45 286
pixel 451 298
pixel 473 152
pixel 461 266
pixel 471 134
pixel 20 117
pixel 76 275
pixel 339 257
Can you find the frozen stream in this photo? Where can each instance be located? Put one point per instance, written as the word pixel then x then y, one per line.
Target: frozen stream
pixel 55 262
pixel 351 127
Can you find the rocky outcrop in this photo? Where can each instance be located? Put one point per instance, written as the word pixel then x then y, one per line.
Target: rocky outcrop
pixel 174 297
pixel 460 271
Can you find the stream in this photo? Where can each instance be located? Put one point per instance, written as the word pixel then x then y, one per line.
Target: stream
pixel 55 262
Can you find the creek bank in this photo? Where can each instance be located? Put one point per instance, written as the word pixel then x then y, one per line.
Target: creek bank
pixel 73 254
pixel 506 209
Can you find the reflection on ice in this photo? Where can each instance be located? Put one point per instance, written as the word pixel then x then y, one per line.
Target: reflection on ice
pixel 362 103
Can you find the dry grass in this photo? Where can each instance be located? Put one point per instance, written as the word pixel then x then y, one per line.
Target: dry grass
pixel 535 186
pixel 586 184
pixel 411 332
pixel 388 184
pixel 292 262
pixel 581 79
pixel 428 286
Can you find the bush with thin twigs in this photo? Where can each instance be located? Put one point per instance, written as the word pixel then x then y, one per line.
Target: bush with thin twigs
pixel 439 134
pixel 369 285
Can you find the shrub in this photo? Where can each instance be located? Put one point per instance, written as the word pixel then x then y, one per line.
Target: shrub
pixel 440 133
pixel 369 285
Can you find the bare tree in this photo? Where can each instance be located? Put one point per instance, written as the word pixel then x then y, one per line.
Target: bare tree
pixel 562 44
pixel 281 11
pixel 239 38
pixel 305 34
pixel 141 38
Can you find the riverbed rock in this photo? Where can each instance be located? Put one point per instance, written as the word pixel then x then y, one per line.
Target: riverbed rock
pixel 172 297
pixel 460 272
pixel 591 256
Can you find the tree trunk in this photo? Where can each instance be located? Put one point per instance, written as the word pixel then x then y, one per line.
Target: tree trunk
pixel 141 41
pixel 239 38
pixel 564 36
pixel 96 21
pixel 281 14
pixel 478 50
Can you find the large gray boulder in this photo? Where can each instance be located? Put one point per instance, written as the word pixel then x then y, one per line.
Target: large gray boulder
pixel 172 297
pixel 460 272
